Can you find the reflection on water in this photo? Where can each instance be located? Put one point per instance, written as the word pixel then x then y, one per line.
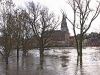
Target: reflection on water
pixel 62 61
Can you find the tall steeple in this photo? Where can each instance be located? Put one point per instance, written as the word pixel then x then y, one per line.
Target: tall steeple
pixel 64 26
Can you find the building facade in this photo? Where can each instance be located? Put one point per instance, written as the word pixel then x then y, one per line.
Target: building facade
pixel 61 37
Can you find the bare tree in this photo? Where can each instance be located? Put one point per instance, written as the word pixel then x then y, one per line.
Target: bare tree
pixel 20 30
pixel 83 16
pixel 6 29
pixel 42 23
pixel 25 31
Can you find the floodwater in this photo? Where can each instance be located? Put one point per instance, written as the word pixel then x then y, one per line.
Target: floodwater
pixel 57 61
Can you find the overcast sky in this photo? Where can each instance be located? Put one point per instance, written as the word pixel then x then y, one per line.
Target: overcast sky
pixel 56 6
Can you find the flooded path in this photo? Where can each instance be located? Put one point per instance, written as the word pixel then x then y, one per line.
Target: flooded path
pixel 57 61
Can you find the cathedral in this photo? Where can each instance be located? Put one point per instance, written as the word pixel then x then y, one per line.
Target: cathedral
pixel 62 36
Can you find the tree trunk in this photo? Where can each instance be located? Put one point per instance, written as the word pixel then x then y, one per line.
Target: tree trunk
pixel 41 62
pixel 81 54
pixel 80 45
pixel 24 50
pixel 41 57
pixel 77 46
pixel 24 53
pixel 6 59
pixel 17 53
pixel 41 52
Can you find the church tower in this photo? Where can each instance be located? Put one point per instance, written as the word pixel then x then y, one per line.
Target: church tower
pixel 64 26
pixel 65 30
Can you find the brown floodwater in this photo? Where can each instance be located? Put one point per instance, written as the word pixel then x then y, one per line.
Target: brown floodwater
pixel 57 61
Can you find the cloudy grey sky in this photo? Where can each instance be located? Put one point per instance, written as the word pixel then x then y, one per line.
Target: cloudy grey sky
pixel 56 6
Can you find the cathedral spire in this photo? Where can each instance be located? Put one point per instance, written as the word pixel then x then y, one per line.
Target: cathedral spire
pixel 64 26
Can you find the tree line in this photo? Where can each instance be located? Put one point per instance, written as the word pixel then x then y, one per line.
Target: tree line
pixel 24 29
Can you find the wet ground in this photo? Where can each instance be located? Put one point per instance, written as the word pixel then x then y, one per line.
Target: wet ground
pixel 57 61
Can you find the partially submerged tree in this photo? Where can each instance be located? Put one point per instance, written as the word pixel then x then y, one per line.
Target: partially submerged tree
pixel 83 16
pixel 6 29
pixel 42 23
pixel 25 31
pixel 21 30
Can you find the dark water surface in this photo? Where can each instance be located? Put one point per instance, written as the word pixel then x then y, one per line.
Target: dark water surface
pixel 57 61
